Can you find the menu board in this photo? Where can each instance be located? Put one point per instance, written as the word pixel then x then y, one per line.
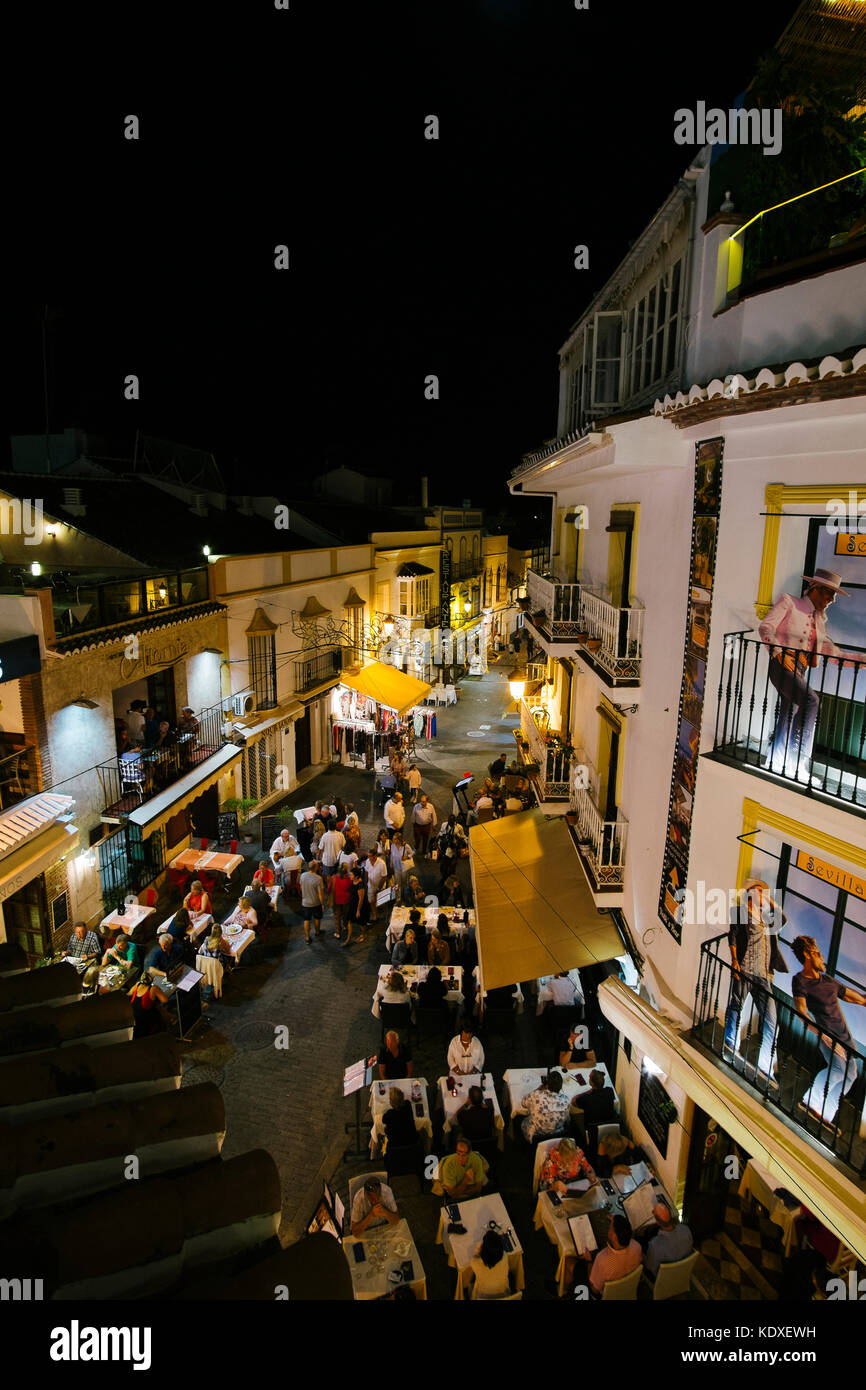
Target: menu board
pixel 652 1096
pixel 271 826
pixel 227 827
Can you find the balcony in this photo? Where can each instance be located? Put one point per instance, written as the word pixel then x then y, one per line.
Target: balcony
pixel 549 753
pixel 601 843
pixel 556 605
pixel 130 604
pixel 318 669
pixel 607 638
pixel 825 755
pixel 466 569
pixel 131 779
pixel 823 1101
pixel 18 777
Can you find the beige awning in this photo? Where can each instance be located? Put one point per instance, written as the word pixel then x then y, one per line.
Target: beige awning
pixel 387 686
pixel 534 910
pixel 160 809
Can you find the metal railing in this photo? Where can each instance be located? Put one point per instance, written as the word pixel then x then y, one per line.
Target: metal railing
pixel 803 723
pixel 618 631
pixel 18 777
pixel 819 1078
pixel 603 843
pixel 128 863
pixel 560 603
pixel 466 569
pixel 141 773
pixel 316 670
pixel 554 762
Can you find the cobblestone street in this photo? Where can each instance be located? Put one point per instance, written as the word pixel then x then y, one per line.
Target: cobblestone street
pixel 290 1101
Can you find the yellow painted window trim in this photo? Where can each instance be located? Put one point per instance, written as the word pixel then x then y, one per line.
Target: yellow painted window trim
pixel 776 497
pixel 754 814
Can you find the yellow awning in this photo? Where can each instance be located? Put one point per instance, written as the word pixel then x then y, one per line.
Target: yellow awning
pixel 387 686
pixel 534 911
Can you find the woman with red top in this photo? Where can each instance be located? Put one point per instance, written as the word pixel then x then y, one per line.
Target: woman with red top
pixel 340 893
pixel 197 902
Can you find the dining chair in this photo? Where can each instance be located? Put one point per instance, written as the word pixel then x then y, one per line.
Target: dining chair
pixel 623 1289
pixel 542 1149
pixel 674 1278
pixel 355 1184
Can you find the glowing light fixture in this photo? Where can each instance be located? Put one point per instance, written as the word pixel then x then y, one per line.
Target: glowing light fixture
pixel 388 625
pixel 517 682
pixel 163 591
pixel 83 703
pixel 35 567
pixel 467 607
pixel 205 550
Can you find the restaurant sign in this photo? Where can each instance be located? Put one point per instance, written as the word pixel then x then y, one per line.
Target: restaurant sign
pixel 140 659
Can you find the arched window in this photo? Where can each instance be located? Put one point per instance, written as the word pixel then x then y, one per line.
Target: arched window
pixel 498 582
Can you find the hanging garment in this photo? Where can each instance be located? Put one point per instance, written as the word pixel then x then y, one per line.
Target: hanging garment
pixel 419 724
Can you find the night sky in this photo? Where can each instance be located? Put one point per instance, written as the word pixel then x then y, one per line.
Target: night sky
pixel 408 256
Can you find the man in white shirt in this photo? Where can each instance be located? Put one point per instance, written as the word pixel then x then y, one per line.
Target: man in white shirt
pixel 347 857
pixel 465 1054
pixel 135 723
pixel 374 1204
pixel 423 820
pixel 395 812
pixel 375 871
pixel 330 847
pixel 560 990
pixel 284 846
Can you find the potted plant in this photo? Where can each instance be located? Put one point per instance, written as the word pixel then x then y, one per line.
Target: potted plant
pixel 244 805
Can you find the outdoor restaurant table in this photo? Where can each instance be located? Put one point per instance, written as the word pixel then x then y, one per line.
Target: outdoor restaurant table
pixel 199 921
pixel 520 1082
pixel 196 861
pixel 111 978
pixel 476 1215
pixel 595 1204
pixel 516 993
pixel 129 920
pixel 540 983
pixel 400 920
pixel 451 1104
pixel 758 1183
pixel 238 937
pixel 413 973
pixel 386 1248
pixel 380 1102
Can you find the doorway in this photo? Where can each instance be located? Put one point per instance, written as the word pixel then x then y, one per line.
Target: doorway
pixel 302 742
pixel 708 1176
pixel 620 563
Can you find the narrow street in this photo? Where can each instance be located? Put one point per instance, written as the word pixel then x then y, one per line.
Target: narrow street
pixel 290 1101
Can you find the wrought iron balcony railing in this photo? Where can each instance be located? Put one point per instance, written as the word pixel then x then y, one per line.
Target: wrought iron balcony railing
pixel 610 637
pixel 809 1074
pixel 780 715
pixel 140 773
pixel 602 843
pixel 316 670
pixel 558 601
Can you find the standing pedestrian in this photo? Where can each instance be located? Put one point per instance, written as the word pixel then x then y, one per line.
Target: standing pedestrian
pixel 358 909
pixel 312 899
pixel 414 780
pixel 423 820
pixel 340 895
pixel 376 872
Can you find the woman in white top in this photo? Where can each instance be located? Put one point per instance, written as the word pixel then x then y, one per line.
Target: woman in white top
pixel 246 914
pixel 135 724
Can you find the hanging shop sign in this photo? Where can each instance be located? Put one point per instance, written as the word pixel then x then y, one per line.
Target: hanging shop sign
pixel 705 526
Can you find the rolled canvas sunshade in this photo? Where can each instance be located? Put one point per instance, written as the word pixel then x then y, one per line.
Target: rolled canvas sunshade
pixel 534 911
pixel 387 686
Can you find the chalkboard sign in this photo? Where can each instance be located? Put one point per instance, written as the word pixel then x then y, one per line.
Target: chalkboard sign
pixel 651 1103
pixel 227 827
pixel 59 912
pixel 271 827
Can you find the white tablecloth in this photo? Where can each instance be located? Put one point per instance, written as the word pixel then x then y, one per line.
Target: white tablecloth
pixel 476 1215
pixel 130 919
pixel 543 998
pixel 451 1104
pixel 759 1183
pixel 386 1248
pixel 238 941
pixel 555 1219
pixel 521 1081
pixel 400 920
pixel 379 1103
pixel 412 973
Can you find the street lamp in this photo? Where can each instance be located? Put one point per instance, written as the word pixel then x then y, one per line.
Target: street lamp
pixel 388 626
pixel 517 682
pixel 467 607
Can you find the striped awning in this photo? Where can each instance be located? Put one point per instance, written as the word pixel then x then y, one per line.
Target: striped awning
pixel 29 818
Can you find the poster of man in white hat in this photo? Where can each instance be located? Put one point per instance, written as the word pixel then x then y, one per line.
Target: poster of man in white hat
pixel 795 635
